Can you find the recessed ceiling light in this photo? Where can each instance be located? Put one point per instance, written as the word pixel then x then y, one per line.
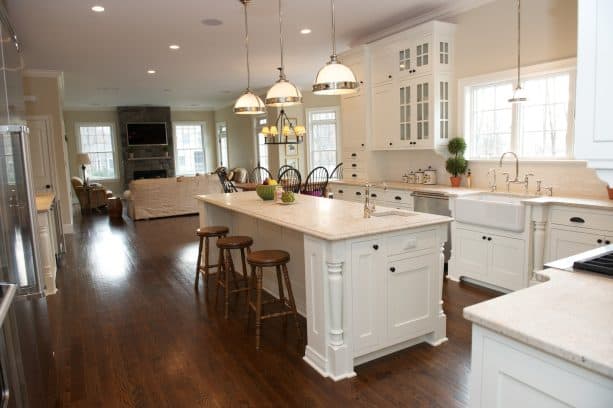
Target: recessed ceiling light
pixel 174 47
pixel 212 22
pixel 98 9
pixel 151 71
pixel 305 31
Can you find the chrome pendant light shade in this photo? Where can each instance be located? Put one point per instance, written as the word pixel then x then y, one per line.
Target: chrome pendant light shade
pixel 519 95
pixel 283 92
pixel 248 103
pixel 334 78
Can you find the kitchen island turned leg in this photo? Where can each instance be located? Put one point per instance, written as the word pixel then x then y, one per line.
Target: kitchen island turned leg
pixel 328 304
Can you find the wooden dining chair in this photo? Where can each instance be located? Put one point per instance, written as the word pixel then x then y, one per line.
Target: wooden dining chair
pixel 337 172
pixel 316 182
pixel 282 169
pixel 227 184
pixel 259 174
pixel 291 180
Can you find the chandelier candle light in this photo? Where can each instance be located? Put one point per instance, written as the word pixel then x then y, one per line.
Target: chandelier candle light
pixel 334 78
pixel 283 92
pixel 248 103
pixel 289 133
pixel 519 95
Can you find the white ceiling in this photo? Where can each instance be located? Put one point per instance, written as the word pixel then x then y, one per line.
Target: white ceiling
pixel 105 56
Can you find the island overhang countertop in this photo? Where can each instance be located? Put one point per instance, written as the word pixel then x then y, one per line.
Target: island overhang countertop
pixel 320 217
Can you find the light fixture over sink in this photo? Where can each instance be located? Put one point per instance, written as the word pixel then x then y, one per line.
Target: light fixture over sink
pixel 519 95
pixel 248 103
pixel 283 92
pixel 334 78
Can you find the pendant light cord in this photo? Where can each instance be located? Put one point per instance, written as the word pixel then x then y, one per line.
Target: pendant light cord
pixel 518 43
pixel 282 67
pixel 333 30
pixel 247 45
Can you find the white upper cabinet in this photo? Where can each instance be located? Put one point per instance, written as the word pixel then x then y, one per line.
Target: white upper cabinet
pixel 411 77
pixel 593 134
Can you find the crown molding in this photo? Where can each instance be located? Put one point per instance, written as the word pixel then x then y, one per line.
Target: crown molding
pixel 43 73
pixel 448 11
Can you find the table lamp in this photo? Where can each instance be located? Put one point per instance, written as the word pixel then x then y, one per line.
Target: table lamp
pixel 83 160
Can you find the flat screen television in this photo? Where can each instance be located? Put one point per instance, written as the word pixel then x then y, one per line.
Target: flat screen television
pixel 140 134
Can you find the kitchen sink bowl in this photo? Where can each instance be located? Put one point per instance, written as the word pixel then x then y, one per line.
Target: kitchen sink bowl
pixel 501 211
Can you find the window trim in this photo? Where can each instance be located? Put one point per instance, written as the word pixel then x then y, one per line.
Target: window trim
pixel 218 125
pixel 531 71
pixel 78 126
pixel 337 110
pixel 202 125
pixel 256 127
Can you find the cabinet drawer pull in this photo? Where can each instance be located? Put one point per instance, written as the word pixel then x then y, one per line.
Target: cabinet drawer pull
pixel 340 191
pixel 392 269
pixel 354 155
pixel 577 219
pixel 489 238
pixel 398 198
pixel 375 247
pixel 373 195
pixel 354 165
pixel 358 193
pixel 354 175
pixel 599 241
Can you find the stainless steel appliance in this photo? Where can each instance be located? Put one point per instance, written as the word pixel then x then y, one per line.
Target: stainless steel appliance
pixel 434 203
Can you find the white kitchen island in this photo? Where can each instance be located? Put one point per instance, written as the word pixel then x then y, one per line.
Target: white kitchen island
pixel 367 286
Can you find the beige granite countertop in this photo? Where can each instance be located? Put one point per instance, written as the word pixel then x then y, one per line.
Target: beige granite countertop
pixel 44 201
pixel 449 191
pixel 570 316
pixel 321 217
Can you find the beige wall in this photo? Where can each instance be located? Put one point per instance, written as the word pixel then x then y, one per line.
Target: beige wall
pixel 71 118
pixel 241 139
pixel 485 43
pixel 48 96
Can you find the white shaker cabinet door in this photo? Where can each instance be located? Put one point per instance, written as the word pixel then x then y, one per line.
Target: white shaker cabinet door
pixel 506 262
pixel 565 243
pixel 367 288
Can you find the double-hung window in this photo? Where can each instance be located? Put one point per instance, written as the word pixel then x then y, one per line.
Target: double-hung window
pixel 323 137
pixel 189 148
pixel 540 128
pixel 97 140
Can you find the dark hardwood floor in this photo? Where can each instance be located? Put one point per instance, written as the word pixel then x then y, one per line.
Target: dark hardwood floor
pixel 127 329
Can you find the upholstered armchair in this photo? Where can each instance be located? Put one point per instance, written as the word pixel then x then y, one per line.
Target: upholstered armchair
pixel 90 196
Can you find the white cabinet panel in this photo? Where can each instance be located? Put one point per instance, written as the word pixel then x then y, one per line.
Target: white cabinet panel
pixel 385 113
pixel 367 290
pixel 506 262
pixel 470 254
pixel 409 296
pixel 383 63
pixel 352 119
pixel 564 243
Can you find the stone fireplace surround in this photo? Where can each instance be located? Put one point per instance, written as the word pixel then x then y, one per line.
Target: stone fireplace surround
pixel 146 159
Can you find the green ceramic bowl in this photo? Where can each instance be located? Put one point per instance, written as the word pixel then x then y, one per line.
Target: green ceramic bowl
pixel 266 192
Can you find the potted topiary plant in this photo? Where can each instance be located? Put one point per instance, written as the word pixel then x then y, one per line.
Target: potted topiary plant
pixel 130 152
pixel 165 148
pixel 456 165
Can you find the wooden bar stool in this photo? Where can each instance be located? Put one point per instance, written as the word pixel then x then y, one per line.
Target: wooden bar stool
pixel 204 234
pixel 226 269
pixel 268 259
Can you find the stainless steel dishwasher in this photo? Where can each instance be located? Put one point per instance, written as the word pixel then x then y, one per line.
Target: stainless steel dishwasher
pixel 434 203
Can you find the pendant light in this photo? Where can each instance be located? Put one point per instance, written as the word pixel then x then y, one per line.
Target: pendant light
pixel 283 92
pixel 334 78
pixel 248 103
pixel 519 95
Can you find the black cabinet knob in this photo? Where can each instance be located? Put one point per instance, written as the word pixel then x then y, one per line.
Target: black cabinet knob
pixel 361 82
pixel 373 195
pixel 375 247
pixel 599 241
pixel 353 155
pixel 484 237
pixel 398 198
pixel 340 191
pixel 489 238
pixel 392 269
pixel 389 76
pixel 354 175
pixel 354 165
pixel 358 193
pixel 362 145
pixel 391 143
pixel 607 242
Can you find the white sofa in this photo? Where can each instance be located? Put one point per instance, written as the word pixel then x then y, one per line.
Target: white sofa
pixel 166 197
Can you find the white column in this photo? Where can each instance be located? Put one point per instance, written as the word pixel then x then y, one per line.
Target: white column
pixel 335 285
